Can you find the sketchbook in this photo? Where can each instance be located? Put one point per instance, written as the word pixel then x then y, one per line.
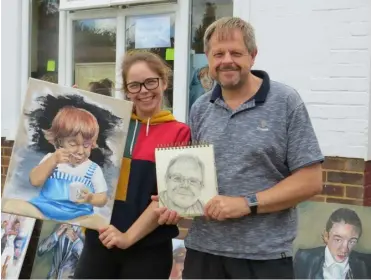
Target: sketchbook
pixel 186 178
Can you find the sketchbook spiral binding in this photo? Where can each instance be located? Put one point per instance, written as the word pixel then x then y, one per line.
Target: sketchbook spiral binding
pixel 183 145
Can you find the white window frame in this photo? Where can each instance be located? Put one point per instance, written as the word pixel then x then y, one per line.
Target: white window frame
pixel 82 4
pixel 181 11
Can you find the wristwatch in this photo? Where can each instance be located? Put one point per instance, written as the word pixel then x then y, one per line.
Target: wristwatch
pixel 253 203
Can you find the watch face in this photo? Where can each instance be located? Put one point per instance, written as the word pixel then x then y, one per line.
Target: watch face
pixel 253 200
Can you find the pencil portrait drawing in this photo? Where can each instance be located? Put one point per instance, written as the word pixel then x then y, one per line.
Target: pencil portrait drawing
pixel 184 180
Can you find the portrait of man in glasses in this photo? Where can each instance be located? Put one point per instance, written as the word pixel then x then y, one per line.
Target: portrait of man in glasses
pixel 184 181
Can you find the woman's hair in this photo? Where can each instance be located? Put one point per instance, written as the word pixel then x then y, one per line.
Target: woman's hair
pixel 71 121
pixel 154 62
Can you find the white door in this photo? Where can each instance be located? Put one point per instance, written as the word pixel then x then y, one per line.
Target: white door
pixel 97 40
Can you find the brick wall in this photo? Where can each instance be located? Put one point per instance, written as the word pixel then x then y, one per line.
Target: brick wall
pixel 343 181
pixel 6 151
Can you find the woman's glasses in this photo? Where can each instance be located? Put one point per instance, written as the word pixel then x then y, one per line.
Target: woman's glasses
pixel 149 84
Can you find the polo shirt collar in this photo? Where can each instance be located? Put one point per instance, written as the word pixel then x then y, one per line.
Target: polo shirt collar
pixel 260 95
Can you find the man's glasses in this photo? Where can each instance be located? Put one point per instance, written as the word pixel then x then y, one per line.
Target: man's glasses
pixel 149 84
pixel 179 179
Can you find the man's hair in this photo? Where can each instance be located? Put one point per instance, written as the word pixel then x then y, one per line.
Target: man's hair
pixel 192 158
pixel 346 216
pixel 222 28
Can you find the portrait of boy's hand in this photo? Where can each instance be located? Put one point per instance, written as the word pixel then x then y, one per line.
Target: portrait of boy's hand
pixel 85 196
pixel 61 156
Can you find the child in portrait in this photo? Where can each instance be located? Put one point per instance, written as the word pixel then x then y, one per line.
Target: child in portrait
pixel 71 183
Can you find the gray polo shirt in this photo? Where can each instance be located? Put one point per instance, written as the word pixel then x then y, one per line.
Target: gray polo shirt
pixel 256 146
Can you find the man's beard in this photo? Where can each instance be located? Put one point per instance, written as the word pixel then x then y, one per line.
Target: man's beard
pixel 230 86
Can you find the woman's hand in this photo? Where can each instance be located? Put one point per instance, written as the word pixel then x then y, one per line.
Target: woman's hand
pixel 166 216
pixel 111 236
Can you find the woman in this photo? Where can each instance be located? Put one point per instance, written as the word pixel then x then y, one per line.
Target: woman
pixel 135 245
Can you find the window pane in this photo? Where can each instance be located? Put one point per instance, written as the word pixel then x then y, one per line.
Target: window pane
pixel 204 12
pixel 154 33
pixel 95 54
pixel 44 40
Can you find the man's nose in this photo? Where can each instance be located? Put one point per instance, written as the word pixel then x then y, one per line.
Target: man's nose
pixel 227 58
pixel 345 246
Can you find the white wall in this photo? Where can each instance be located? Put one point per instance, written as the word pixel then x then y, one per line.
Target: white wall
pixel 322 48
pixel 10 66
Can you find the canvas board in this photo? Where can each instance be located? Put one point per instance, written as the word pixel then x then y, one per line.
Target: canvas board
pixel 333 241
pixel 58 251
pixel 179 254
pixel 67 155
pixel 16 232
pixel 186 178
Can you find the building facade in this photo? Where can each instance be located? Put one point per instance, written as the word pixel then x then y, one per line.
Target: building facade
pixel 321 48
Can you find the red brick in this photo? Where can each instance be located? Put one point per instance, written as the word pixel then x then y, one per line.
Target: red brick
pixel 324 176
pixel 6 151
pixel 7 143
pixel 318 198
pixel 333 190
pixel 345 178
pixel 367 178
pixel 367 195
pixel 354 192
pixel 4 170
pixel 5 161
pixel 344 201
pixel 344 164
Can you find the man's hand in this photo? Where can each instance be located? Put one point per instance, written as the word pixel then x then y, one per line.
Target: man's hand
pixel 62 228
pixel 166 216
pixel 111 236
pixel 226 207
pixel 71 234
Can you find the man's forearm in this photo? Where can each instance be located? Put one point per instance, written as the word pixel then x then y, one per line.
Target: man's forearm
pixel 300 186
pixel 145 224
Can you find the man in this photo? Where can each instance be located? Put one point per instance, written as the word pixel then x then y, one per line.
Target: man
pixel 336 260
pixel 66 241
pixel 267 159
pixel 184 182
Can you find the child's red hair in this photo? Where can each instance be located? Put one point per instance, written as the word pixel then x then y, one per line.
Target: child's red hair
pixel 71 121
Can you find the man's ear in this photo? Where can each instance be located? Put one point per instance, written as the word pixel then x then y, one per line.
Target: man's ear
pixel 253 55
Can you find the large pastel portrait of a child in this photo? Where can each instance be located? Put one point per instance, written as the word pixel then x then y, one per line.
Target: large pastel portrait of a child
pixel 67 155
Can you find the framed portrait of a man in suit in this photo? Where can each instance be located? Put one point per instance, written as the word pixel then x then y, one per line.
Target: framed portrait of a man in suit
pixel 58 251
pixel 332 242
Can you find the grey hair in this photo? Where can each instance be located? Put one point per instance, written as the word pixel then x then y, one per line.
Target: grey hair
pixel 195 159
pixel 224 25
